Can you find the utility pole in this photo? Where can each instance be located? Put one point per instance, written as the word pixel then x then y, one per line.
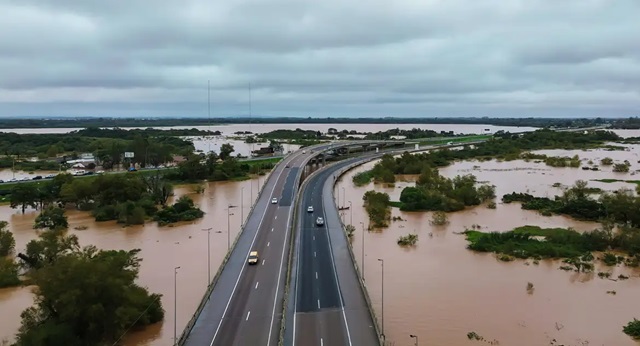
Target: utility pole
pixel 208 230
pixel 175 305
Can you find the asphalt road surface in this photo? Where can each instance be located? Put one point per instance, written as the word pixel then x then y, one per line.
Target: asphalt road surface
pixel 329 303
pixel 245 306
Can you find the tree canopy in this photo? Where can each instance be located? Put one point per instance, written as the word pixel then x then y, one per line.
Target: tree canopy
pixel 85 296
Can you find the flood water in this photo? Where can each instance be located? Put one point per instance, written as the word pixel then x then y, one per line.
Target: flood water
pixel 231 129
pixel 163 249
pixel 441 291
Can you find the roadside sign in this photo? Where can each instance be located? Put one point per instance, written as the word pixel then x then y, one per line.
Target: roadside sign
pixel 128 154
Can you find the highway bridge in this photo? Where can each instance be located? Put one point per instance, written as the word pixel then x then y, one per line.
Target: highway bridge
pixel 244 304
pixel 323 302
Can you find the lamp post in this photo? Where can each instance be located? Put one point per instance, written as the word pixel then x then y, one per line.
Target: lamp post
pixel 362 223
pixel 343 196
pixel 415 337
pixel 242 205
pixel 382 285
pixel 175 305
pixel 229 225
pixel 350 213
pixel 208 230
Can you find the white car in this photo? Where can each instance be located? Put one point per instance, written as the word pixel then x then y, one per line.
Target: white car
pixel 320 221
pixel 310 209
pixel 274 200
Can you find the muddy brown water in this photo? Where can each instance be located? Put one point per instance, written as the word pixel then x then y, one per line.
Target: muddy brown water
pixel 441 291
pixel 163 248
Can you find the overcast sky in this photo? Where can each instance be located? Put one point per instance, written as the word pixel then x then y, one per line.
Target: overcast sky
pixel 320 57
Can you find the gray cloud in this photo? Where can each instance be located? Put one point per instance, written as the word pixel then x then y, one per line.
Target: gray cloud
pixel 346 57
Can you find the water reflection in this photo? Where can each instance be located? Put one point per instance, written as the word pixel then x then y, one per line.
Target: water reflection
pixel 440 291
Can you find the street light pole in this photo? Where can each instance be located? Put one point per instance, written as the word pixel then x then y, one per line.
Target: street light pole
pixel 175 305
pixel 208 230
pixel 415 337
pixel 362 223
pixel 229 206
pixel 343 197
pixel 382 285
pixel 350 213
pixel 242 205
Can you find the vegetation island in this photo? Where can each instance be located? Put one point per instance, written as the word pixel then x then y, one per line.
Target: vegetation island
pixel 617 242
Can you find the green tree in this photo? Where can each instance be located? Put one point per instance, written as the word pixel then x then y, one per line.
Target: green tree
pixel 159 188
pixel 621 168
pixel 80 192
pixel 8 272
pixel 24 196
pixel 191 169
pixel 51 218
pixel 632 329
pixel 48 248
pixel 225 151
pixel 607 161
pixel 7 242
pixel 88 297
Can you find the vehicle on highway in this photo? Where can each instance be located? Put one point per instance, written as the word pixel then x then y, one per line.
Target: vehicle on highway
pixel 304 151
pixel 319 221
pixel 310 209
pixel 253 257
pixel 50 176
pixel 274 200
pixel 37 177
pixel 287 166
pixel 100 172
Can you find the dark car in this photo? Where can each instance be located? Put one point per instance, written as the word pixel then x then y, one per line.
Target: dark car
pixel 37 177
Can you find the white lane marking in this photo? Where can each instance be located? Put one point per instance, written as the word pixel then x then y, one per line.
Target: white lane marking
pixel 314 254
pixel 275 218
pixel 271 229
pixel 316 275
pixel 318 303
pixel 321 342
pixel 268 243
pixel 257 284
pixel 314 237
pixel 235 286
pixel 275 295
pixel 335 273
pixel 248 314
pixel 295 303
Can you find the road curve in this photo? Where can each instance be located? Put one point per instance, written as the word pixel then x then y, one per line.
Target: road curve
pixel 328 303
pixel 245 305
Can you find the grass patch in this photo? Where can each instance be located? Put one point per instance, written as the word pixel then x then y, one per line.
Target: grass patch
pixel 637 182
pixel 533 241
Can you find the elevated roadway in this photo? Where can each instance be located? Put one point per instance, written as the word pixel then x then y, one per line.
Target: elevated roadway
pixel 327 302
pixel 244 303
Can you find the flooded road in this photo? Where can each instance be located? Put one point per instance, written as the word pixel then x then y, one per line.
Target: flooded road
pixel 163 248
pixel 441 291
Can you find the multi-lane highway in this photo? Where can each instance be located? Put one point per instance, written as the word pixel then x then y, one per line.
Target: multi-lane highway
pixel 328 303
pixel 245 306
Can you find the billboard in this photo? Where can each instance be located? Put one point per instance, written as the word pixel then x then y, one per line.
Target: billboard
pixel 128 154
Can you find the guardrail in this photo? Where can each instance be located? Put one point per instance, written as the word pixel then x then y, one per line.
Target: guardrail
pixel 367 298
pixel 287 286
pixel 187 329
